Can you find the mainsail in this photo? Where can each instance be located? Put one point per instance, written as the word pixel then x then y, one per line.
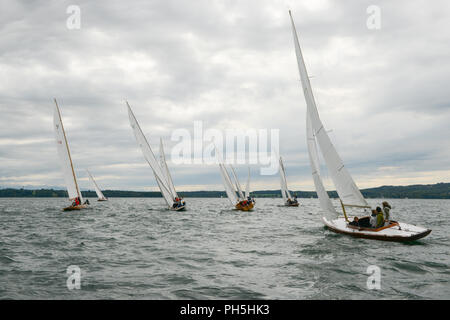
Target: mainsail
pixel 322 194
pixel 229 189
pixel 283 182
pixel 227 182
pixel 345 186
pixel 96 187
pixel 160 177
pixel 165 169
pixel 236 181
pixel 64 156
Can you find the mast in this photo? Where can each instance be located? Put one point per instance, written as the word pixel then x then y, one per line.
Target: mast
pixel 67 146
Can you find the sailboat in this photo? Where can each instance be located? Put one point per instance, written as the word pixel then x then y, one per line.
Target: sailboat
pixel 160 169
pixel 234 191
pixel 349 195
pixel 99 193
pixel 287 198
pixel 66 163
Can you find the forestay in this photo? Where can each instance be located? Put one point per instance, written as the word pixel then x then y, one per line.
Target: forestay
pixel 151 159
pixel 345 186
pixel 64 156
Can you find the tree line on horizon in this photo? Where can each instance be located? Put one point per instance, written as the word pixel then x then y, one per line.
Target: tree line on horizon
pixel 431 191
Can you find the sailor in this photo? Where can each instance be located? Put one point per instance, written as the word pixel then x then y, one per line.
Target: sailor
pixel 355 222
pixel 387 208
pixel 373 219
pixel 87 201
pixel 295 199
pixel 380 218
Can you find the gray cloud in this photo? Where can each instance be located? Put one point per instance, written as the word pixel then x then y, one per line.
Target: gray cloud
pixel 229 63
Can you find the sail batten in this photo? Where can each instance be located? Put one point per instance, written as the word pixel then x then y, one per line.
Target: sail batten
pixel 345 186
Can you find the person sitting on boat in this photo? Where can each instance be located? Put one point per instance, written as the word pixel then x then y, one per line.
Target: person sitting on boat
pixel 380 217
pixel 386 208
pixel 373 219
pixel 295 199
pixel 355 222
pixel 87 202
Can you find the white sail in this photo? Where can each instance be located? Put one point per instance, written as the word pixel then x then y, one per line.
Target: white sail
pixel 151 159
pixel 228 184
pixel 324 199
pixel 345 186
pixel 236 181
pixel 284 188
pixel 165 169
pixel 229 189
pixel 96 187
pixel 64 156
pixel 247 187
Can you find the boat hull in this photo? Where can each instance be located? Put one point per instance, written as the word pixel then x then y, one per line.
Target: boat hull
pixel 292 204
pixel 181 208
pixel 74 208
pixel 247 207
pixel 398 232
pixel 102 200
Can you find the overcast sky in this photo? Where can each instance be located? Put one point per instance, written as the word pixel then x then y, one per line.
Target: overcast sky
pixel 384 94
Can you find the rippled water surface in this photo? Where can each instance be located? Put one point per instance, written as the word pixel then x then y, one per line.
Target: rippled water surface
pixel 130 248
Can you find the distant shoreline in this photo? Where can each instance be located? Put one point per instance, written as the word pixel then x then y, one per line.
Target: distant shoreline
pixel 430 191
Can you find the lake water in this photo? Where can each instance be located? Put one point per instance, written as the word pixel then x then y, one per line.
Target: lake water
pixel 131 248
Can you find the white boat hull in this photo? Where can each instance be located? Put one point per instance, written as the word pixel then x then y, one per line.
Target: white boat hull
pixel 181 208
pixel 406 232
